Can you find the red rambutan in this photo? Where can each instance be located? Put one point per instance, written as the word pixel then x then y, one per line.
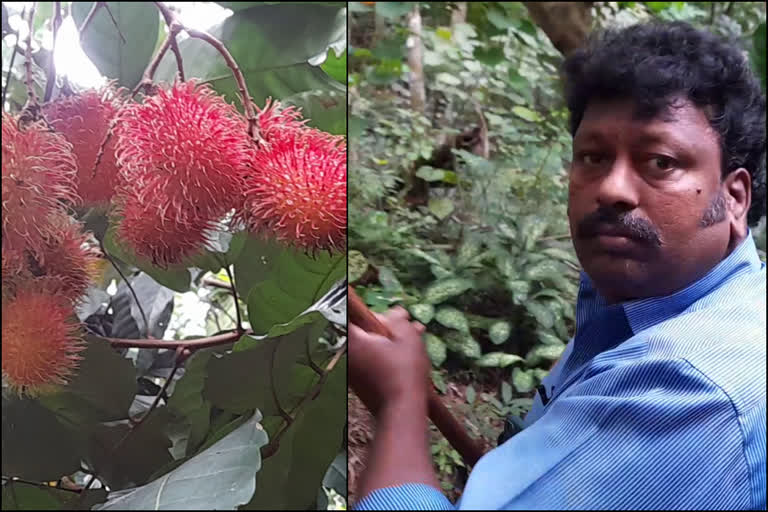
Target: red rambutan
pixel 191 144
pixel 84 120
pixel 275 119
pixel 38 171
pixel 40 342
pixel 157 230
pixel 298 190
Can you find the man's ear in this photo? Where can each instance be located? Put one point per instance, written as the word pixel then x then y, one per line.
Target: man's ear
pixel 737 187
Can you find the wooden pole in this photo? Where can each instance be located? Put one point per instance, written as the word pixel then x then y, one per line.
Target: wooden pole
pixel 469 449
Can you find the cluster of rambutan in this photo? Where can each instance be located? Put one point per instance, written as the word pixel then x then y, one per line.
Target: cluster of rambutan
pixel 173 167
pixel 187 161
pixel 46 264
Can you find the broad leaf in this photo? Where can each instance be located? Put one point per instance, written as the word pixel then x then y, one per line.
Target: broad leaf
pixel 219 478
pixel 138 23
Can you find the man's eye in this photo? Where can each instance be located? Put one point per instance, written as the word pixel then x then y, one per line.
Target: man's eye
pixel 662 163
pixel 591 159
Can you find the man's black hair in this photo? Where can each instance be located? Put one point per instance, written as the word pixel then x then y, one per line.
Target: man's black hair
pixel 651 63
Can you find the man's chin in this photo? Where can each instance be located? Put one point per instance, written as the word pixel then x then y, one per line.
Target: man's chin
pixel 620 279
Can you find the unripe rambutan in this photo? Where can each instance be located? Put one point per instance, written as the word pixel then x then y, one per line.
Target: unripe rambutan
pixel 38 170
pixel 40 342
pixel 158 231
pixel 191 144
pixel 298 190
pixel 84 120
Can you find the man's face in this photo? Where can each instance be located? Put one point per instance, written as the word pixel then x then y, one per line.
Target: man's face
pixel 647 209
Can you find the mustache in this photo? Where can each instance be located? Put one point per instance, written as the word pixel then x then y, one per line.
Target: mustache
pixel 607 217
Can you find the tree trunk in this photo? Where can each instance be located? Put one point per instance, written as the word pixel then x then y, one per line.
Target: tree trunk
pixel 567 24
pixel 415 51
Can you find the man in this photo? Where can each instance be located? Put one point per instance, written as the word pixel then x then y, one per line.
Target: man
pixel 659 400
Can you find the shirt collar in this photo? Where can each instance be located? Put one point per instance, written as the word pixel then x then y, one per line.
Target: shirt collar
pixel 644 313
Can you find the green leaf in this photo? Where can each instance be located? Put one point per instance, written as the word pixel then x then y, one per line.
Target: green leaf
pixel 424 313
pixel 336 66
pixel 526 114
pixel 444 289
pixel 289 479
pixel 187 399
pixel 541 353
pixel 463 344
pixel 519 290
pixel 388 280
pixel 138 23
pixel 441 207
pixel 549 339
pixel 523 380
pixel 326 110
pixel 272 44
pixel 471 395
pixel 295 282
pixel 468 250
pixel 432 174
pixel 506 392
pixel 489 55
pixel 255 263
pixel 357 264
pixel 543 315
pixel 499 332
pixel 436 349
pixel 229 464
pixel 36 446
pixel 452 318
pixel 497 360
pixel 102 390
pixel 245 378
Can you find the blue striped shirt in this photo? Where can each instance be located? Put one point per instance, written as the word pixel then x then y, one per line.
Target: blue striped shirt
pixel 655 404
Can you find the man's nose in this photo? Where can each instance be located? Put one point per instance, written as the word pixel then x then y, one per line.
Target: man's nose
pixel 617 187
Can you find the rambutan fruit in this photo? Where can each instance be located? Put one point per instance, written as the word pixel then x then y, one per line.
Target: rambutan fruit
pixel 40 342
pixel 67 267
pixel 275 119
pixel 298 190
pixel 84 120
pixel 157 230
pixel 189 143
pixel 14 272
pixel 38 171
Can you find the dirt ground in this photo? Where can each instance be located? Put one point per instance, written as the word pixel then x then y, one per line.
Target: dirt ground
pixel 478 418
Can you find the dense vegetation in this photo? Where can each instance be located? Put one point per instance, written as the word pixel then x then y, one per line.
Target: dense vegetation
pixel 486 260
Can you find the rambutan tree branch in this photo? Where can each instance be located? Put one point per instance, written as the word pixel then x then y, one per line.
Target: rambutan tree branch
pixel 209 341
pixel 250 114
pixel 234 295
pixel 174 27
pixel 31 96
pixel 50 80
pixel 8 479
pixel 89 17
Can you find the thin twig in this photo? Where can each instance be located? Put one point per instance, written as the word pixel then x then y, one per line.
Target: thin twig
pixel 50 80
pixel 210 281
pixel 210 341
pixel 234 294
pixel 13 57
pixel 31 96
pixel 555 237
pixel 128 284
pixel 36 484
pixel 135 425
pixel 149 73
pixel 286 417
pixel 273 445
pixel 117 26
pixel 250 114
pixel 87 21
pixel 312 364
pixel 174 27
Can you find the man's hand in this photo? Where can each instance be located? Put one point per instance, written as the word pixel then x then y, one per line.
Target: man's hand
pixel 385 373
